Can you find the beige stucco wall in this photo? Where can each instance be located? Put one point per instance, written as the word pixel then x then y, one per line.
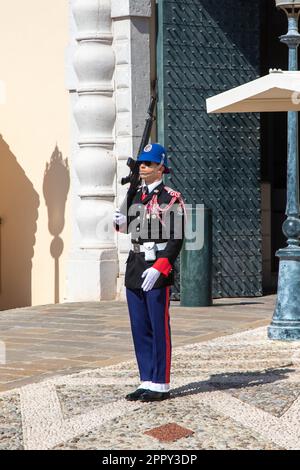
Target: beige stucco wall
pixel 34 152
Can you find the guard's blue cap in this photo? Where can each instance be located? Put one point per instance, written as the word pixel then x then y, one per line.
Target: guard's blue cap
pixel 155 153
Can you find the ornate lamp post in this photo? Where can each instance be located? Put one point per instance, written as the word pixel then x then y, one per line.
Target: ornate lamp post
pixel 286 320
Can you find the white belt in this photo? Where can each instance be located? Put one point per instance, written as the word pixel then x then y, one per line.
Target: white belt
pixel 141 249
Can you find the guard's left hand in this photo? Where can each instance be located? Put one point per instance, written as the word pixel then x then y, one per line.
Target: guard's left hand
pixel 151 275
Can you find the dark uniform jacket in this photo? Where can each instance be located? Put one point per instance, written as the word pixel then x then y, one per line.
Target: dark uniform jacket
pixel 159 218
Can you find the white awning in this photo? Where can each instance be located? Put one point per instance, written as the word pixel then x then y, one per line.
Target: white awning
pixel 278 91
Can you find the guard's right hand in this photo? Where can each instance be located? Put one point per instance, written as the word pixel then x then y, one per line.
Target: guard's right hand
pixel 118 218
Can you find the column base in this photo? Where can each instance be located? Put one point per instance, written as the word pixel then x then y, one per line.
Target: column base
pixel 121 289
pixel 92 275
pixel 282 331
pixel 286 319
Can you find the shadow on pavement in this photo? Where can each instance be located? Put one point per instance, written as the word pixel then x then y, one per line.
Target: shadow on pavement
pixel 236 304
pixel 232 381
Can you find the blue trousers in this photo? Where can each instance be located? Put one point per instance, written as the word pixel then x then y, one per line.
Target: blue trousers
pixel 150 326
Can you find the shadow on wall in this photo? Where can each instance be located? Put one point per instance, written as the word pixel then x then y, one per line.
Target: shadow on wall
pixel 237 25
pixel 56 186
pixel 19 204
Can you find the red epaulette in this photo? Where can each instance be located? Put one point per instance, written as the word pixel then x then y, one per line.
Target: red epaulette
pixel 172 192
pixel 176 195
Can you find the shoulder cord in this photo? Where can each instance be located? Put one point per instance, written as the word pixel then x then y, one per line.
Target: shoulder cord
pixel 154 208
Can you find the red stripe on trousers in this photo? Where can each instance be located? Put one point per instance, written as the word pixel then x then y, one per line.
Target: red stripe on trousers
pixel 168 341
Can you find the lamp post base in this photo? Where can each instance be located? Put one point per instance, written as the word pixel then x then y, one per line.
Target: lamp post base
pixel 283 332
pixel 286 320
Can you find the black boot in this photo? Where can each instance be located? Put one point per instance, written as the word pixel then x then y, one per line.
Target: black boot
pixel 136 395
pixel 150 395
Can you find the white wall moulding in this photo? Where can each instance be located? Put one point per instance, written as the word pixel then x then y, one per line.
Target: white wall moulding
pixel 131 44
pixel 93 264
pixel 95 116
pixel 99 168
pixel 93 17
pixel 94 64
pixel 130 8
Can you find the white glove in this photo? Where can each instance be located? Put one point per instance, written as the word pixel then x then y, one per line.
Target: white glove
pixel 118 218
pixel 151 275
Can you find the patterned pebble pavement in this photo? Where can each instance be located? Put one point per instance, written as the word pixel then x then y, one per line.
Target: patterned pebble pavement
pixel 235 392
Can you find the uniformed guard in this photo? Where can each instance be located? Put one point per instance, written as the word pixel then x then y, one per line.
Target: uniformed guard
pixel 155 218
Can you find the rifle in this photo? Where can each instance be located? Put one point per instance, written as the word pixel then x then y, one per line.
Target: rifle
pixel 134 176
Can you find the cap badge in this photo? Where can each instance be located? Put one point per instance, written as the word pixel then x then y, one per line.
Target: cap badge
pixel 148 148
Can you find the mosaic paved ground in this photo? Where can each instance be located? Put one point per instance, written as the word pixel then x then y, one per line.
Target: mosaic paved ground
pixel 235 392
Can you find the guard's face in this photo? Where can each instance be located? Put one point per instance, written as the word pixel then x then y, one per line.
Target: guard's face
pixel 150 171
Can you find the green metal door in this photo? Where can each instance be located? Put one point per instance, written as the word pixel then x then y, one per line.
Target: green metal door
pixel 205 47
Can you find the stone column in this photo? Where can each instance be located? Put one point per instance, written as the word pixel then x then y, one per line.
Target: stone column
pixel 131 30
pixel 93 264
